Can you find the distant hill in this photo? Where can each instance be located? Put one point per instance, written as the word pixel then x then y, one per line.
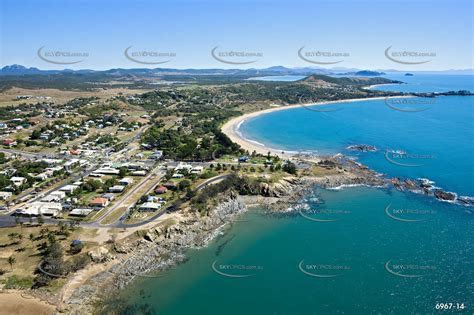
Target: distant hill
pixel 365 73
pixel 322 80
pixel 276 70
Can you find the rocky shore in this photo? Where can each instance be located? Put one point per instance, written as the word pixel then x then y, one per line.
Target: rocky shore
pixel 164 246
pixel 157 249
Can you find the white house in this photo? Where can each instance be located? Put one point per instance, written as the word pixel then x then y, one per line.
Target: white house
pixel 4 195
pixel 197 170
pixel 69 188
pixel 150 206
pixel 17 181
pixel 183 166
pixel 54 196
pixel 44 208
pixel 107 171
pixel 116 189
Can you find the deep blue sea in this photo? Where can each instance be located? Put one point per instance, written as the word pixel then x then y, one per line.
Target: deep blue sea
pixel 357 250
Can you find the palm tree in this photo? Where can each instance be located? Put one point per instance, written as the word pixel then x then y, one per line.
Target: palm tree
pixel 11 261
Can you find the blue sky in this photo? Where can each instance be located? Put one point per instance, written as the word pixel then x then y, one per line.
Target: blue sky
pixel 277 29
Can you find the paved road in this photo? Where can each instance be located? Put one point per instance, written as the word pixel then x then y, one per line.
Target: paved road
pixel 124 198
pixel 210 181
pixel 29 155
pixel 9 220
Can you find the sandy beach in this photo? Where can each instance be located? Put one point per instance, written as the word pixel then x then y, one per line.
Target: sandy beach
pixel 231 127
pixel 20 303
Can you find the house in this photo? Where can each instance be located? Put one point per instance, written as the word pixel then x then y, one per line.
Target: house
pixel 17 181
pixel 183 166
pixel 177 175
pixel 9 142
pixel 50 198
pixel 107 171
pixel 42 176
pixel 197 170
pixel 54 196
pixel 59 194
pixel 139 173
pixel 117 189
pixel 149 206
pixel 109 197
pixel 157 155
pixel 170 185
pixel 161 190
pixel 33 121
pixel 243 158
pixel 125 181
pixel 99 202
pixel 69 188
pixel 42 208
pixel 153 199
pixel 81 212
pixel 4 195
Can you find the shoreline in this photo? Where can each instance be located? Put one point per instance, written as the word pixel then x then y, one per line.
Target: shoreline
pixel 231 127
pixel 18 302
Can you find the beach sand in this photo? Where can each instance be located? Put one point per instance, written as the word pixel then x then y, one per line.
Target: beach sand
pixel 18 303
pixel 231 127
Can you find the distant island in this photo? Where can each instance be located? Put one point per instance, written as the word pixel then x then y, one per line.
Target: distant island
pixel 408 74
pixel 365 73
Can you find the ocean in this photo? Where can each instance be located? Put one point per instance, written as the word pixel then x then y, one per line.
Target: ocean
pixel 355 250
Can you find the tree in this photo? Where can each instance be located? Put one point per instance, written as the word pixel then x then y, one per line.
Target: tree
pixel 40 220
pixel 289 167
pixel 184 184
pixel 11 261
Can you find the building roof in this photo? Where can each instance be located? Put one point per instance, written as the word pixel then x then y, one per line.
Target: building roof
pixel 150 205
pixel 99 201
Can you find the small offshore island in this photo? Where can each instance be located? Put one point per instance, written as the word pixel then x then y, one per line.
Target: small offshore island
pixel 206 175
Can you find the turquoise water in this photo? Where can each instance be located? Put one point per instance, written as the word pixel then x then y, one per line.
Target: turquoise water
pixel 356 248
pixel 439 139
pixel 421 82
pixel 352 251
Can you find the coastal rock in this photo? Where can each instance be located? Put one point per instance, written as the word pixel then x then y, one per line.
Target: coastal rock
pixel 100 255
pixel 362 148
pixel 467 201
pixel 122 248
pixel 444 195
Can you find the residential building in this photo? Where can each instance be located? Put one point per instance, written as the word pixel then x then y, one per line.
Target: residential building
pixel 99 202
pixel 117 189
pixel 161 190
pixel 149 206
